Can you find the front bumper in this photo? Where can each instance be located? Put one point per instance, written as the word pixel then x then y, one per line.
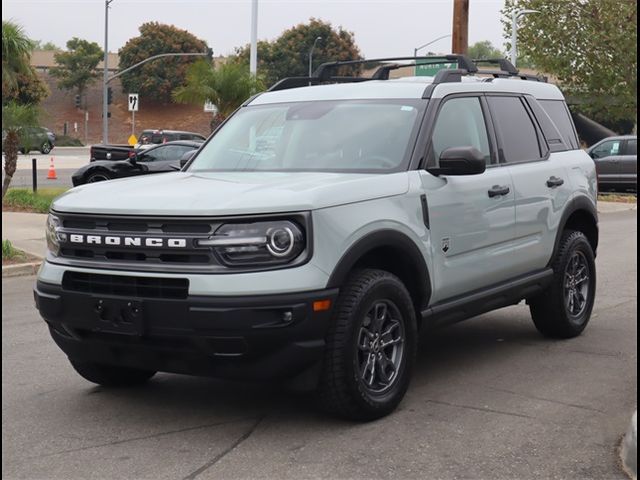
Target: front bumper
pixel 259 337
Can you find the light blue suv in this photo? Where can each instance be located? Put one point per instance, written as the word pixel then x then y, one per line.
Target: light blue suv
pixel 321 227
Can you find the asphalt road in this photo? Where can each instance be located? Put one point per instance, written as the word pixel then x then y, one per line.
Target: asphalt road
pixel 490 399
pixel 66 160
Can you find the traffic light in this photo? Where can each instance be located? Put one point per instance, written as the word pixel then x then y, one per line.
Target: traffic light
pixel 77 101
pixel 109 95
pixel 209 54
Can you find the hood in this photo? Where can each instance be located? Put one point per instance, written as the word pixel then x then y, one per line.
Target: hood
pixel 229 193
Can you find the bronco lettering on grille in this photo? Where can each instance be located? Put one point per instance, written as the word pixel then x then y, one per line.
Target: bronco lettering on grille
pixel 128 241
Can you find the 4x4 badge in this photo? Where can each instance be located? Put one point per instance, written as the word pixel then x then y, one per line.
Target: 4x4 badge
pixel 446 244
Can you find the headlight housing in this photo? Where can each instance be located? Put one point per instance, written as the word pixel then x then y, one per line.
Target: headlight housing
pixel 266 243
pixel 54 237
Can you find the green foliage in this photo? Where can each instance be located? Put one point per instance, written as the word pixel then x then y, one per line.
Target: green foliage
pixel 76 68
pixel 14 118
pixel 484 49
pixel 157 79
pixel 46 46
pixel 24 199
pixel 30 89
pixel 227 86
pixel 288 55
pixel 16 54
pixel 588 45
pixel 67 141
pixel 9 252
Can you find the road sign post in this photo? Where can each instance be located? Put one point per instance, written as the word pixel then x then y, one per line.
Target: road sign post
pixel 132 102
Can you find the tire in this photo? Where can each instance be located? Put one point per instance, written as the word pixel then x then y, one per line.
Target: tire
pixel 98 177
pixel 348 384
pixel 111 376
pixel 45 148
pixel 563 310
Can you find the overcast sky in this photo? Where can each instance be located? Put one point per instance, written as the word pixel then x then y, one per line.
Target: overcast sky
pixel 381 27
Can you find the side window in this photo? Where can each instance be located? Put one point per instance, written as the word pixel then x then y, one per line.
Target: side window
pixel 559 113
pixel 632 147
pixel 460 123
pixel 607 149
pixel 518 135
pixel 153 155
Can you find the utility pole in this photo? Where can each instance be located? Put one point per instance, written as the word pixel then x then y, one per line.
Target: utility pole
pixel 515 16
pixel 105 75
pixel 460 41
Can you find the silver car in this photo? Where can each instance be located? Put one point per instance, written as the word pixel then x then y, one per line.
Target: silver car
pixel 616 161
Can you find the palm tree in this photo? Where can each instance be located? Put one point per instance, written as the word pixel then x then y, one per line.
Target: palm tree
pixel 16 55
pixel 14 118
pixel 227 87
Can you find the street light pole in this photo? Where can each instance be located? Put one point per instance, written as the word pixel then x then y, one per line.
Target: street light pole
pixel 311 55
pixel 253 54
pixel 515 16
pixel 105 74
pixel 415 50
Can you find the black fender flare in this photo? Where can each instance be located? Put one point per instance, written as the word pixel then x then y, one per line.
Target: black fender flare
pixel 390 239
pixel 580 203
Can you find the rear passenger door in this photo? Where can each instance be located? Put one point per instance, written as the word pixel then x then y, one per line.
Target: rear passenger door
pixel 541 183
pixel 629 163
pixel 471 225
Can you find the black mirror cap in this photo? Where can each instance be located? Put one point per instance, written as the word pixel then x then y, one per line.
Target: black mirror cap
pixel 186 157
pixel 460 161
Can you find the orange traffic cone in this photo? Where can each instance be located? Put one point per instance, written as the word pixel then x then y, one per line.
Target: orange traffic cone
pixel 52 172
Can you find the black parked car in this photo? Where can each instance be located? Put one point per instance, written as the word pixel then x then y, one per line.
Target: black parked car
pixel 158 159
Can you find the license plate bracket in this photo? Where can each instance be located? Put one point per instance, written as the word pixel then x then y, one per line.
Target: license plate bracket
pixel 119 316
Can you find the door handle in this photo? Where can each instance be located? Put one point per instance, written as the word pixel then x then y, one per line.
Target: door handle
pixel 498 190
pixel 554 182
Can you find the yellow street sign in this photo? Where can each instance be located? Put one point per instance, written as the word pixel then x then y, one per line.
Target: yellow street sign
pixel 132 140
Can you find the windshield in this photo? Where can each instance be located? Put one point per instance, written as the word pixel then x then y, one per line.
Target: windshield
pixel 334 136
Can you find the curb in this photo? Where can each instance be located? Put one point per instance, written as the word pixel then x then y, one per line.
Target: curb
pixel 611 207
pixel 21 269
pixel 629 450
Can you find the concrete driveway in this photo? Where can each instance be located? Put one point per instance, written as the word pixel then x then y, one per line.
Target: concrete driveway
pixel 490 399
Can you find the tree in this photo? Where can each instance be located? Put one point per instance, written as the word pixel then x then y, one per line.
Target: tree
pixel 226 86
pixel 76 68
pixel 589 46
pixel 157 79
pixel 484 49
pixel 46 46
pixel 14 118
pixel 30 89
pixel 288 55
pixel 16 55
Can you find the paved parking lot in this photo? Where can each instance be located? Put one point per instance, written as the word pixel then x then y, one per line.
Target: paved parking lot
pixel 490 399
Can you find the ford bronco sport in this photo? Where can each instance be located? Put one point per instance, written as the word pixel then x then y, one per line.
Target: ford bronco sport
pixel 325 224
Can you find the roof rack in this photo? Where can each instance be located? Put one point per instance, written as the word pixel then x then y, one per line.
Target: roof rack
pixel 326 73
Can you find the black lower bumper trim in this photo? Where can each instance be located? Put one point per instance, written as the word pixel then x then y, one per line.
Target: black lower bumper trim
pixel 255 337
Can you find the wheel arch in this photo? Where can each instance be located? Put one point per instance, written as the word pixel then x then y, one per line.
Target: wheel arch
pixel 581 215
pixel 391 251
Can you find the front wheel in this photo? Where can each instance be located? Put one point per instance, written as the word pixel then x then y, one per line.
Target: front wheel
pixel 370 347
pixel 564 309
pixel 98 177
pixel 110 375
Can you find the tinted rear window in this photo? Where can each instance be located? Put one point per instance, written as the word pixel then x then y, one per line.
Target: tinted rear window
pixel 518 135
pixel 559 113
pixel 632 147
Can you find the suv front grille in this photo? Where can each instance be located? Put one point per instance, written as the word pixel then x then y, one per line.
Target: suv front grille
pixel 145 287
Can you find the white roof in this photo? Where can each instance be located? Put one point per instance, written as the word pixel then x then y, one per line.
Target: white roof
pixel 409 87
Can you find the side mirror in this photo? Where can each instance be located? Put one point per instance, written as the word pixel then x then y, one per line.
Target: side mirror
pixel 133 158
pixel 460 161
pixel 186 157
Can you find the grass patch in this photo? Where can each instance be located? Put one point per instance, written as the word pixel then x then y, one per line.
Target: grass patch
pixel 617 197
pixel 24 200
pixel 9 252
pixel 67 141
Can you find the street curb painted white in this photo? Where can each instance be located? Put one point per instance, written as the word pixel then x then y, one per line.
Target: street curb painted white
pixel 629 451
pixel 21 269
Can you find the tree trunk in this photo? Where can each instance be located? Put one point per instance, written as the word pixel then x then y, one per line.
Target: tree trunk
pixel 5 184
pixel 11 144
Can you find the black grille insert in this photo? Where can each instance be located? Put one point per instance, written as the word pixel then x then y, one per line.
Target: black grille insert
pixel 149 287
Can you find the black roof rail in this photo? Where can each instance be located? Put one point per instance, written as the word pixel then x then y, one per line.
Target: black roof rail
pixel 504 64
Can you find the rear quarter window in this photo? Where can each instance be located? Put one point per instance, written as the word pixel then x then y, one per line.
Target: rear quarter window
pixel 559 113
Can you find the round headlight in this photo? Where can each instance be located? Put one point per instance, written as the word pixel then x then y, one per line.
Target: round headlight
pixel 280 241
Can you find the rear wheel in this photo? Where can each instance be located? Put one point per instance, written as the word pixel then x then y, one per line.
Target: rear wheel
pixel 45 148
pixel 111 376
pixel 564 309
pixel 370 347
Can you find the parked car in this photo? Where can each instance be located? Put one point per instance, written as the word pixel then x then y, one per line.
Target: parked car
pixel 322 228
pixel 616 160
pixel 159 159
pixel 148 138
pixel 34 138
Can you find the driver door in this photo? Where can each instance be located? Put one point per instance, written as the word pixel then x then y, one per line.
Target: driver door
pixel 472 217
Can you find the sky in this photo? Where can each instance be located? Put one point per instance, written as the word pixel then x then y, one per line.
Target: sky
pixel 381 27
